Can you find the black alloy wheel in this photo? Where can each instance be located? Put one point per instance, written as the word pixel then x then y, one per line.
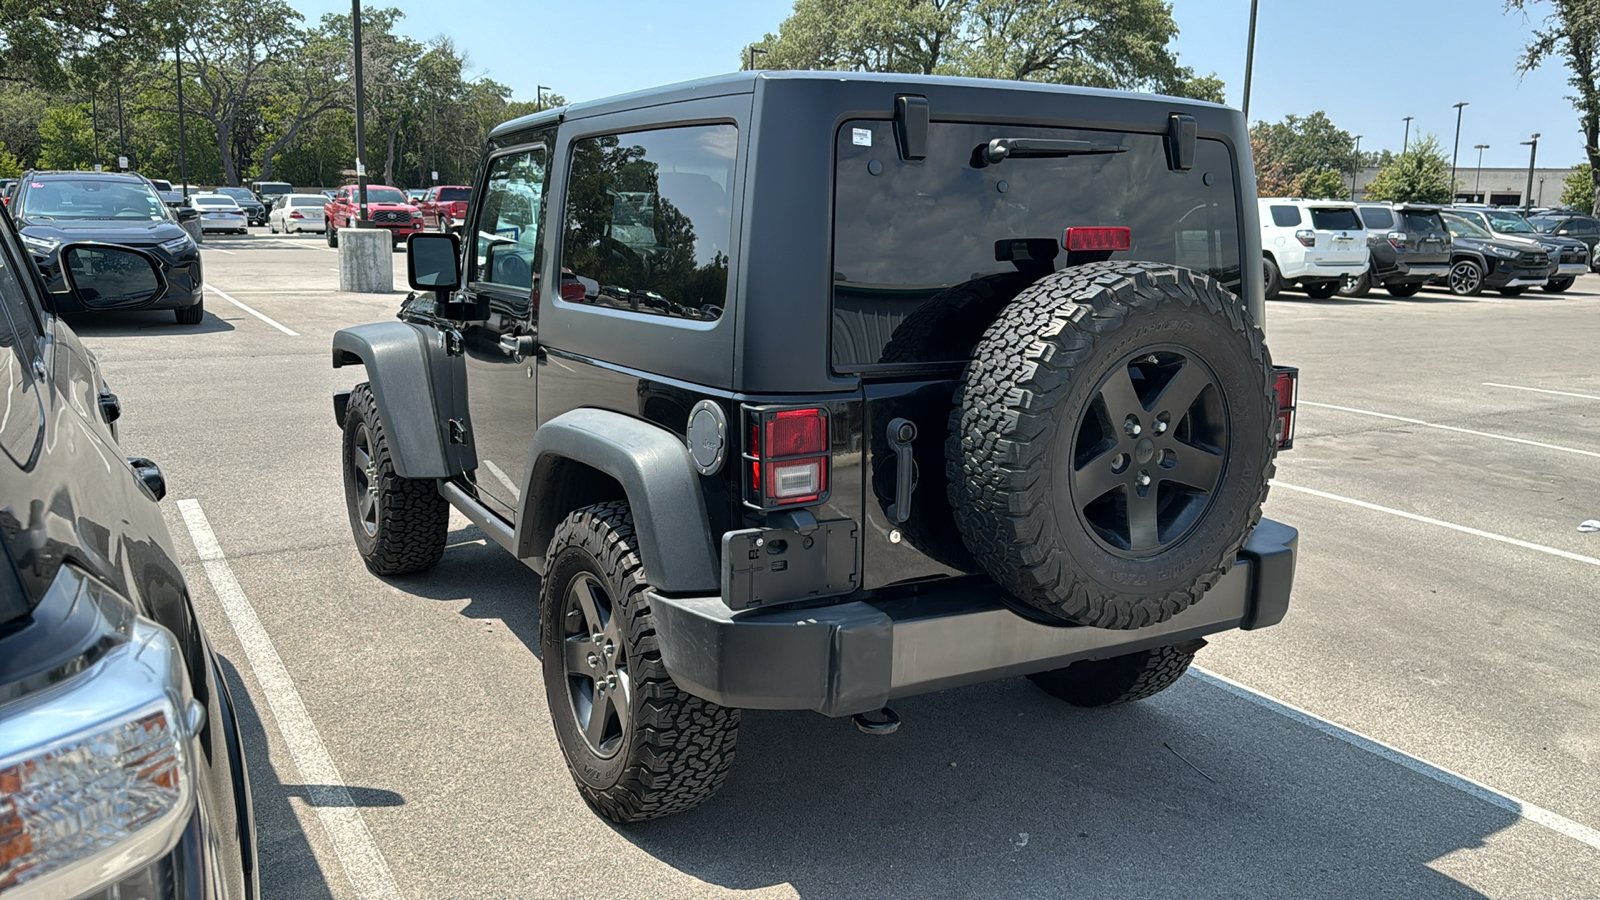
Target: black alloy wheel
pixel 1466 278
pixel 1149 452
pixel 599 687
pixel 1356 285
pixel 364 477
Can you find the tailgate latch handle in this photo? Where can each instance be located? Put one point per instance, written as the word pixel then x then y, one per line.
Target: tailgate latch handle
pixel 901 433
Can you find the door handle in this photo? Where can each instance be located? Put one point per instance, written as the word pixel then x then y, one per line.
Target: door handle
pixel 901 433
pixel 516 346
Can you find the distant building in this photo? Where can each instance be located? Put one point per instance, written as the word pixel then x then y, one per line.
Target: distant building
pixel 1496 187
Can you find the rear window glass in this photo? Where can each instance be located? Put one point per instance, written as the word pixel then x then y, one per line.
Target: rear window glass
pixel 1377 217
pixel 910 239
pixel 451 194
pixel 1286 216
pixel 1422 222
pixel 1335 219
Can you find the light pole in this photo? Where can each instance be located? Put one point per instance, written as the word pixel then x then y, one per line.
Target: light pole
pixel 539 90
pixel 1406 143
pixel 1355 167
pixel 183 143
pixel 752 55
pixel 1457 149
pixel 1527 196
pixel 1249 62
pixel 1477 188
pixel 361 102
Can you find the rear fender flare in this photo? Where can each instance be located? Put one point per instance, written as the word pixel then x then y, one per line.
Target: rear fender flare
pixel 419 388
pixel 655 473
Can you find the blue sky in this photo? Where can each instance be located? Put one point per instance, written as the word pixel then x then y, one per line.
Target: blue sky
pixel 1368 63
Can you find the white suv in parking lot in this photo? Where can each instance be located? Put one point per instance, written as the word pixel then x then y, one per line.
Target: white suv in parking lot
pixel 1311 244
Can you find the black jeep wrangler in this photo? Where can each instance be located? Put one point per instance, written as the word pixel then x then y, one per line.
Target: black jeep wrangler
pixel 845 388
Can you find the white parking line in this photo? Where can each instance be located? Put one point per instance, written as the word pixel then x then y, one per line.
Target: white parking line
pixel 219 250
pixel 1515 542
pixel 214 290
pixel 1514 387
pixel 1538 815
pixel 325 790
pixel 495 471
pixel 1498 437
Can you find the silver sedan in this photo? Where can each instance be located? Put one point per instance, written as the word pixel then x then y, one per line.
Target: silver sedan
pixel 295 213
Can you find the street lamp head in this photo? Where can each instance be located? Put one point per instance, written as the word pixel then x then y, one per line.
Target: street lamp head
pixel 1459 105
pixel 1480 146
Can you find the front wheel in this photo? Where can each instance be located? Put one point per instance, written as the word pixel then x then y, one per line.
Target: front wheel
pixel 1403 290
pixel 1322 290
pixel 399 523
pixel 1466 278
pixel 1557 285
pixel 638 747
pixel 332 235
pixel 1120 679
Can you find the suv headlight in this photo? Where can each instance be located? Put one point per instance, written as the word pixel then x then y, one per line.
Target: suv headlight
pixel 178 244
pixel 97 770
pixel 1503 253
pixel 39 245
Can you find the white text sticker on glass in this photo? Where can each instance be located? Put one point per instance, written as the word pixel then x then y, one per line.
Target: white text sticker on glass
pixel 861 137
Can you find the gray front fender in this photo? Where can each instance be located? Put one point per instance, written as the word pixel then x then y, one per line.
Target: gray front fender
pixel 656 474
pixel 419 388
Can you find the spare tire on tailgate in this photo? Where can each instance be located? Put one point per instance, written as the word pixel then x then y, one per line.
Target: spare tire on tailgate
pixel 1111 442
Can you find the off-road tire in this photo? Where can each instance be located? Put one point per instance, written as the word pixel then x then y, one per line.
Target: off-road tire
pixel 1356 286
pixel 1031 382
pixel 1272 279
pixel 1120 679
pixel 1322 290
pixel 1557 285
pixel 191 315
pixel 1404 290
pixel 412 519
pixel 677 749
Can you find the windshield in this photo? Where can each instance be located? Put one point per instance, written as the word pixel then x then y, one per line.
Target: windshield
pixel 1462 228
pixel 1509 223
pixel 383 195
pixel 88 198
pixel 452 194
pixel 274 187
pixel 1546 226
pixel 910 239
pixel 237 193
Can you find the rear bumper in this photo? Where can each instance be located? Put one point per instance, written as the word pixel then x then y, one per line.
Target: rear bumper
pixel 1407 273
pixel 855 656
pixel 1320 271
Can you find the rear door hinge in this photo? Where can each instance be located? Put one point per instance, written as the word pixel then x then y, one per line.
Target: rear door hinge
pixel 458 431
pixel 453 344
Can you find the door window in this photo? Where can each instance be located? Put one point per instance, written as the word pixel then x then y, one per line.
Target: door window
pixel 1286 216
pixel 21 411
pixel 506 252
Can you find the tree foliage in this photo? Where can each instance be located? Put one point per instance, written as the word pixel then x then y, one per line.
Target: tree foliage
pixel 1577 192
pixel 1570 32
pixel 49 44
pixel 1099 43
pixel 1302 156
pixel 1421 174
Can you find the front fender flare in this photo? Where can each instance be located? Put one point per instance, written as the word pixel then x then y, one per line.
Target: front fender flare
pixel 656 474
pixel 419 388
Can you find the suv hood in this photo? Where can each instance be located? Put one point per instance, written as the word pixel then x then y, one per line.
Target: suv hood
pixel 1503 243
pixel 109 230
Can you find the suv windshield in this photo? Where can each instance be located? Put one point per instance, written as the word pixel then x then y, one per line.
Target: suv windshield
pixel 1547 226
pixel 905 233
pixel 1509 223
pixel 382 195
pixel 237 193
pixel 1334 219
pixel 92 198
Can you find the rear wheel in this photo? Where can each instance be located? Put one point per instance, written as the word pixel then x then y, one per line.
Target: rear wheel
pixel 1322 290
pixel 1466 278
pixel 1273 279
pixel 1557 285
pixel 1356 285
pixel 637 745
pixel 332 235
pixel 191 315
pixel 399 523
pixel 1403 290
pixel 1120 679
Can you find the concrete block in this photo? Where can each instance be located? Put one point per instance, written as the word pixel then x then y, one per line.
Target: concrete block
pixel 366 260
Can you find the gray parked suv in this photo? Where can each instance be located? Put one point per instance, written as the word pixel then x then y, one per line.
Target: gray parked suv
pixel 1409 245
pixel 1570 255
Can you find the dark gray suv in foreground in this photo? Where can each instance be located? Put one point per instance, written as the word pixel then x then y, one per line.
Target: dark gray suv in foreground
pixel 1409 245
pixel 887 385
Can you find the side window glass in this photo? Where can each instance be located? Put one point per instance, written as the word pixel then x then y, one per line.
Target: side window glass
pixel 507 242
pixel 1376 217
pixel 21 411
pixel 649 220
pixel 1286 216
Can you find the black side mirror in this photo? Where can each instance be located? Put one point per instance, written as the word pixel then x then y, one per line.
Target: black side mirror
pixel 106 276
pixel 149 475
pixel 433 262
pixel 187 213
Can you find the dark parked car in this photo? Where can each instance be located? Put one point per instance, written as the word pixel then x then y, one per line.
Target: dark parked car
pixel 1481 259
pixel 968 390
pixel 255 211
pixel 1573 225
pixel 56 208
pixel 169 196
pixel 269 192
pixel 1571 256
pixel 1410 247
pixel 122 772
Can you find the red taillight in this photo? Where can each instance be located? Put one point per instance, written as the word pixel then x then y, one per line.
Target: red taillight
pixel 296 214
pixel 572 291
pixel 1306 237
pixel 1397 239
pixel 1287 385
pixel 788 457
pixel 1097 239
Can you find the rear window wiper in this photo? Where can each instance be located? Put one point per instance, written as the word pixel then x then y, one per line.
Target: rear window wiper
pixel 1001 149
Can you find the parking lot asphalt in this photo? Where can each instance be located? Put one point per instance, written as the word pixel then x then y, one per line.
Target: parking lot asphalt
pixel 1444 617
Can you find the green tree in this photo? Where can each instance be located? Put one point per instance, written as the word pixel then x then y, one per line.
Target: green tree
pixel 1421 174
pixel 65 139
pixel 1302 156
pixel 1322 184
pixel 1570 32
pixel 1100 43
pixel 48 42
pixel 1578 190
pixel 10 166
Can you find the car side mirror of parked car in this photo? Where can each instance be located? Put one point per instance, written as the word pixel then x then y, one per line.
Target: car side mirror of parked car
pixel 106 276
pixel 187 213
pixel 433 262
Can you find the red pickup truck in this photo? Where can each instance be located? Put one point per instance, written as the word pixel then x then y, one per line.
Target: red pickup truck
pixel 444 206
pixel 386 208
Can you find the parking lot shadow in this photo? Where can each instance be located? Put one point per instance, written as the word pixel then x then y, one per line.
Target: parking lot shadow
pixel 1001 791
pixel 140 323
pixel 1335 300
pixel 494 584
